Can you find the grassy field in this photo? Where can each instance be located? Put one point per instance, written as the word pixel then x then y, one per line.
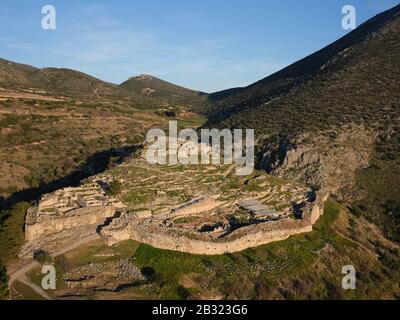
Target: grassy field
pixel 192 123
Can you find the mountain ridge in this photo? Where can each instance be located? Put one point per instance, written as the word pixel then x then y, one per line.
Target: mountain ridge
pixel 153 86
pixel 69 81
pixel 285 78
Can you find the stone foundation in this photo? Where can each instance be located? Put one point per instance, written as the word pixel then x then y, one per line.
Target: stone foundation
pixel 196 206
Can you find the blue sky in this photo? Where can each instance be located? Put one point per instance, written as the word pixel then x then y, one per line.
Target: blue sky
pixel 207 45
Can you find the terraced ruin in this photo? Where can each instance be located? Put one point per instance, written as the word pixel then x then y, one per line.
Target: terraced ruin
pixel 195 209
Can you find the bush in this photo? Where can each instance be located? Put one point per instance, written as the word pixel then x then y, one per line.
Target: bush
pixel 41 256
pixel 3 282
pixel 182 293
pixel 355 210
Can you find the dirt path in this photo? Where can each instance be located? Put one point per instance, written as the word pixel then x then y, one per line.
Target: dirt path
pixel 26 281
pixel 20 274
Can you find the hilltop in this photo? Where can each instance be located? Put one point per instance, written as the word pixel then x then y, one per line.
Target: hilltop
pixel 60 81
pixel 144 90
pixel 152 86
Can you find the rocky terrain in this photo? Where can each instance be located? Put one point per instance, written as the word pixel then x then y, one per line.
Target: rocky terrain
pixel 107 276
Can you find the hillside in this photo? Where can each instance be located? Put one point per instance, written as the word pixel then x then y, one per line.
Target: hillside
pixel 52 120
pixel 145 91
pixel 65 82
pixel 332 119
pixel 325 61
pixel 152 86
pixel 59 126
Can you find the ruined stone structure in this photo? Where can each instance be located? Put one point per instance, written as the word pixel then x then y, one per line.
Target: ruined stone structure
pixel 260 210
pixel 196 206
pixel 70 214
pixel 127 227
pixel 68 209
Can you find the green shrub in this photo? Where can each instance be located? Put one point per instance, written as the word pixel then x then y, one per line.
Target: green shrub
pixel 115 188
pixel 356 211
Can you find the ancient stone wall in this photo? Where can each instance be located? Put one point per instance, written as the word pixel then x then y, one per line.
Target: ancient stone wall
pixel 184 244
pixel 51 217
pixel 242 239
pixel 200 206
pixel 317 209
pixel 90 216
pixel 70 208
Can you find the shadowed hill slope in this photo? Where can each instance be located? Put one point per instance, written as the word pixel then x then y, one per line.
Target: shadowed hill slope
pixel 356 49
pixel 311 116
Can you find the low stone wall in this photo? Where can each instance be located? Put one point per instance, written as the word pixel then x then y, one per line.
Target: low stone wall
pixel 52 243
pixel 201 206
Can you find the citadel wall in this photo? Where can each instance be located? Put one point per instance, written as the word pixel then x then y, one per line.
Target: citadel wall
pixel 242 239
pixel 90 216
pixel 41 223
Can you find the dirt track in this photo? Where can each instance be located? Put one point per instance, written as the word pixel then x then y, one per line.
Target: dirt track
pixel 20 274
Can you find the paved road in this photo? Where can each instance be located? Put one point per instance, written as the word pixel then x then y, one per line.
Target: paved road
pixel 20 274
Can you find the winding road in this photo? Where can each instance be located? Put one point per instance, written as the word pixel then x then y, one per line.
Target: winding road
pixel 20 274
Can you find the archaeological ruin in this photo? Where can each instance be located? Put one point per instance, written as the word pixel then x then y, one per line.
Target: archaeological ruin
pixel 198 210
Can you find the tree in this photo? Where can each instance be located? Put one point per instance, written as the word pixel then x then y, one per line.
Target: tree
pixel 41 256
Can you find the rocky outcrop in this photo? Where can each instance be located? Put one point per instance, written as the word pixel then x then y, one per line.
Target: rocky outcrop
pixel 325 161
pixel 107 276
